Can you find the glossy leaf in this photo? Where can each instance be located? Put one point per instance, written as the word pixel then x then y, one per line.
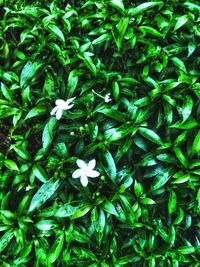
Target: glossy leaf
pixel 143 7
pixel 118 4
pixel 53 29
pixel 5 240
pixel 43 194
pixel 150 135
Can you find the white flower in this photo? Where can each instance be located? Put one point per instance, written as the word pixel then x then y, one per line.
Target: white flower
pixel 60 106
pixel 85 171
pixel 107 98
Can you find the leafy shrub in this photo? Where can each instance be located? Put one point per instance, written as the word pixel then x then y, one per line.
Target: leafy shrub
pixel 130 73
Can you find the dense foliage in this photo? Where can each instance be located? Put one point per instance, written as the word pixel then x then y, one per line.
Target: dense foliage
pixel 131 70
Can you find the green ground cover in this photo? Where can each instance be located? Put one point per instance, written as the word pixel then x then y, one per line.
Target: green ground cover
pixel 99 133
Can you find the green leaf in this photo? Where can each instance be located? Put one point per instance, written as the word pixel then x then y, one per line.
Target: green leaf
pixel 121 28
pixel 117 4
pixel 6 92
pixel 45 225
pixel 55 31
pixel 148 160
pixel 56 248
pixel 172 202
pixel 140 142
pixel 49 84
pixel 126 184
pixel 66 210
pixel 7 112
pixel 127 80
pixel 115 90
pixel 109 207
pixel 179 154
pixel 5 240
pixel 11 165
pixel 43 194
pixel 72 82
pixel 182 179
pixel 143 7
pixel 151 31
pixel 138 188
pixel 36 111
pixel 28 72
pixel 186 250
pixel 150 135
pixel 40 173
pixel 11 77
pixel 171 86
pixel 191 47
pixel 166 157
pixel 180 22
pixel 151 82
pixel 189 124
pixel 192 6
pixel 48 133
pixel 61 150
pixel 180 216
pixel 111 167
pixel 81 212
pixel 147 201
pixel 179 64
pixel 22 152
pixel 101 39
pixel 112 113
pixel 161 179
pixel 124 260
pixel 187 107
pixel 121 132
pixel 89 63
pixel 196 144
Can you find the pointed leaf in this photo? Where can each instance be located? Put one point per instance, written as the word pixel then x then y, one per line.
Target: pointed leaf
pixel 179 63
pixel 118 4
pixel 54 30
pixel 187 107
pixel 196 144
pixel 11 165
pixel 5 240
pixel 56 248
pixel 180 22
pixel 161 179
pixel 143 7
pixel 28 72
pixel 150 135
pixel 109 207
pixel 43 194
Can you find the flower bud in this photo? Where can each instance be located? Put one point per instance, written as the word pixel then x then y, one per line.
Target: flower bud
pixel 102 178
pixel 97 194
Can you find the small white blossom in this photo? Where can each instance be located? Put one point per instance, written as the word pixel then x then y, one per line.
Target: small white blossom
pixel 28 188
pixel 85 171
pixel 60 106
pixel 107 98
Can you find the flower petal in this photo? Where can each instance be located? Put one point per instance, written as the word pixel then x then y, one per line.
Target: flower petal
pixel 69 100
pixel 81 164
pixel 61 103
pixel 84 180
pixel 92 174
pixel 107 98
pixel 54 110
pixel 59 114
pixel 68 106
pixel 91 164
pixel 77 173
